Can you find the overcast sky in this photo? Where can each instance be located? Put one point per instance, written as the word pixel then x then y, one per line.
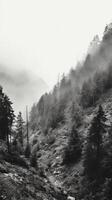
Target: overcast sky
pixel 49 36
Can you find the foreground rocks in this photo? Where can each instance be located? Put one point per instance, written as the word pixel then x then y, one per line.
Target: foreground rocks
pixel 18 183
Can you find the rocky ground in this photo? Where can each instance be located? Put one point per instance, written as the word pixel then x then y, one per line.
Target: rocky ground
pixel 51 180
pixel 20 181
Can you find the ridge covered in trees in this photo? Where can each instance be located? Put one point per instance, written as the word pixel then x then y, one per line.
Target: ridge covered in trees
pixel 87 146
pixel 74 95
pixel 83 86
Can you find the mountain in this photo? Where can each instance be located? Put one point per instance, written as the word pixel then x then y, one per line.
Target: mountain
pixel 66 114
pixel 67 153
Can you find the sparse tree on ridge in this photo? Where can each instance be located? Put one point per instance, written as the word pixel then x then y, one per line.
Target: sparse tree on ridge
pixel 19 128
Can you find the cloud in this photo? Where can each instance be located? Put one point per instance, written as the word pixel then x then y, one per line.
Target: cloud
pixel 23 87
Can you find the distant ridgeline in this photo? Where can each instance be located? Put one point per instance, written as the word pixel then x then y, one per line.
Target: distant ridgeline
pixel 82 87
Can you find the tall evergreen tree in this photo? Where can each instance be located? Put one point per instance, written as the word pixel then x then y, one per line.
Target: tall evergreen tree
pixel 73 150
pixel 73 114
pixel 107 158
pixel 2 118
pixel 19 128
pixel 8 117
pixel 87 98
pixel 94 149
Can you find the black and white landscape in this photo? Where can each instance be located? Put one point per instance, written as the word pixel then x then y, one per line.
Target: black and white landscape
pixel 55 100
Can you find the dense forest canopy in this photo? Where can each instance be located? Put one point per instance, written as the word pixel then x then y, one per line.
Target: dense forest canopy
pixel 72 96
pixel 83 85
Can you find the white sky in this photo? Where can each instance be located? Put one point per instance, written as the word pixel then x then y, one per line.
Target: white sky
pixel 49 36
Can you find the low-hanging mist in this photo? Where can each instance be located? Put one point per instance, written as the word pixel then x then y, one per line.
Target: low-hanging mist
pixel 23 87
pixel 51 108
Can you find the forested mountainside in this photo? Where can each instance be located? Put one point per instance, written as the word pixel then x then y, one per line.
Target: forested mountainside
pixel 72 125
pixel 82 86
pixel 67 152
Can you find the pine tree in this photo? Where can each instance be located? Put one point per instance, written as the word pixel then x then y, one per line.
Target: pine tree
pixel 73 114
pixel 107 158
pixel 109 77
pixel 2 118
pixel 87 97
pixel 19 128
pixel 8 117
pixel 94 149
pixel 73 150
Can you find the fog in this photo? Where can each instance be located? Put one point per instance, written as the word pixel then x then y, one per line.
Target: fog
pixel 44 39
pixel 23 87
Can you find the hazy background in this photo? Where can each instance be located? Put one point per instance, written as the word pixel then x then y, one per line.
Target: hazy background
pixel 40 39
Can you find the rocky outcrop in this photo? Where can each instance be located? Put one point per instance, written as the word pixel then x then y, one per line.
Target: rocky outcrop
pixel 18 183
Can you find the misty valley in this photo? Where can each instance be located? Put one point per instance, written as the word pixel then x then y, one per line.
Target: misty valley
pixel 60 148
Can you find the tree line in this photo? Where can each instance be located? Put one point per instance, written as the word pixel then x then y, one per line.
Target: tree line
pixel 12 128
pixel 67 103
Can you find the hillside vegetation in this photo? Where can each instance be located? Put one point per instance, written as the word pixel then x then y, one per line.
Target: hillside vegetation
pixel 72 125
pixel 67 153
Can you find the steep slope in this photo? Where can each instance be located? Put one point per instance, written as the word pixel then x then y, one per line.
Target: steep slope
pixel 50 110
pixel 18 182
pixel 51 148
pixel 74 101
